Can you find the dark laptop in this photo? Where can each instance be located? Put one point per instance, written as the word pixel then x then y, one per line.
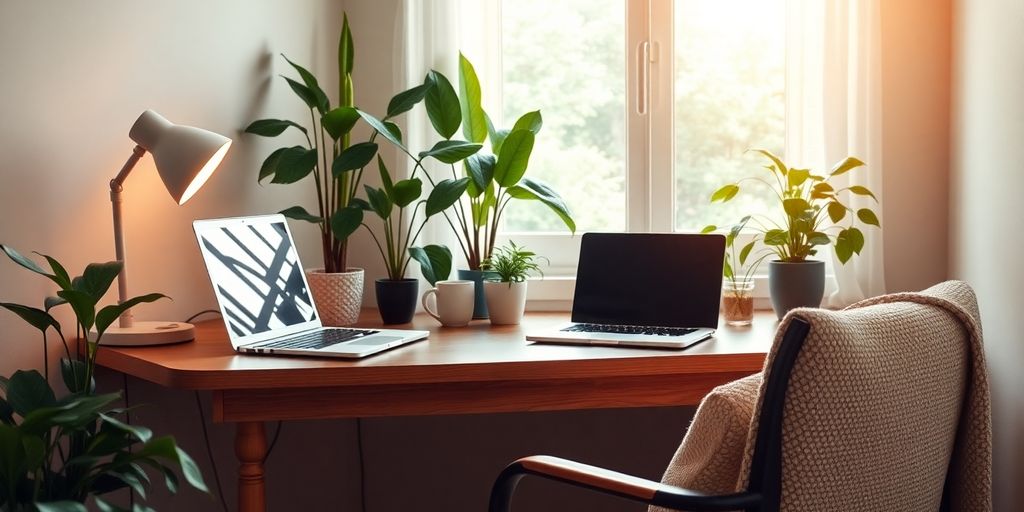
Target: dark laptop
pixel 644 289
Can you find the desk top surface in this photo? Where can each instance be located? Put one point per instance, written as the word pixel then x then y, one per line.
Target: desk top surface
pixel 479 352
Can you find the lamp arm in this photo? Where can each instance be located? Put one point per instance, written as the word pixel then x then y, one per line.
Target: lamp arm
pixel 116 187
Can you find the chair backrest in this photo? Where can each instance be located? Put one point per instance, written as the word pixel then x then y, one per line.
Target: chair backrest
pixel 860 409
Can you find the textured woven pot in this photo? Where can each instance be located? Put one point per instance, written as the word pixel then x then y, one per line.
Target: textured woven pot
pixel 338 296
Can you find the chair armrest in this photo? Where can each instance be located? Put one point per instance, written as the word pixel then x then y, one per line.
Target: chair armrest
pixel 610 482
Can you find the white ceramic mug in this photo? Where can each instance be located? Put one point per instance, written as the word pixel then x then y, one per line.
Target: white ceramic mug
pixel 454 300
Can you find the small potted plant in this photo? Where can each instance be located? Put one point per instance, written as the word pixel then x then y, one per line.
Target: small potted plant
pixel 738 285
pixel 812 209
pixel 505 289
pixel 60 452
pixel 335 165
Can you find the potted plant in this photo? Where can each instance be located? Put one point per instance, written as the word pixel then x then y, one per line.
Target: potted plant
pixel 57 453
pixel 812 210
pixel 506 288
pixel 489 179
pixel 397 294
pixel 336 167
pixel 738 283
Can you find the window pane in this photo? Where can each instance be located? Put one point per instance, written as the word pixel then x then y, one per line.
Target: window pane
pixel 729 97
pixel 566 58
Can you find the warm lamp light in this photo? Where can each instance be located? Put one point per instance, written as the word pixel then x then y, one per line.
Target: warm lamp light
pixel 185 157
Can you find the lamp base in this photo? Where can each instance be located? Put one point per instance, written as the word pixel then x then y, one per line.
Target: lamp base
pixel 143 334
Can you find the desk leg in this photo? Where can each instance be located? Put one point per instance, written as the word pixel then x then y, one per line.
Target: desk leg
pixel 250 448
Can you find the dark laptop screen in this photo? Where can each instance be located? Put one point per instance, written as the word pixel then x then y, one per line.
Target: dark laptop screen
pixel 667 280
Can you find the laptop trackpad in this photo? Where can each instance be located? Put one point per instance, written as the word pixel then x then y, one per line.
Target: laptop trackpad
pixel 371 341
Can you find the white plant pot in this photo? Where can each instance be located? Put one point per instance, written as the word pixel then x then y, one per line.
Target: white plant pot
pixel 506 302
pixel 338 296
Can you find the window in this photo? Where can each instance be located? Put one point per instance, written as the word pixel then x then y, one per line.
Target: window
pixel 648 108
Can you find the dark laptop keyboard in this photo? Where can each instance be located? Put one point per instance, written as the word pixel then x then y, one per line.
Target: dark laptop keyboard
pixel 629 329
pixel 318 339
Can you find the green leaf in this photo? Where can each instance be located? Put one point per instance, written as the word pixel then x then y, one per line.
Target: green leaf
pixel 496 136
pixel 27 263
pixel 779 165
pixel 354 157
pixel 271 163
pixel 474 127
pixel 73 372
pixel 60 506
pixel 346 221
pixel 481 209
pixel 796 207
pixel 818 238
pixel 776 237
pixel 435 262
pixel 300 213
pixel 294 164
pixel 141 433
pixel 385 178
pixel 339 121
pixel 445 194
pixel 83 305
pixel 191 470
pixel 307 96
pixel 407 191
pixel 107 315
pixel 821 191
pixel 381 128
pixel 394 130
pixel 346 51
pixel 856 238
pixel 844 251
pixel 322 104
pixel 797 177
pixel 868 217
pixel 406 100
pixel 725 193
pixel 60 275
pixel 451 151
pixel 27 391
pixel 52 302
pixel 710 228
pixel 862 191
pixel 98 277
pixel 514 157
pixel 531 121
pixel 727 270
pixel 35 317
pixel 845 166
pixel 442 105
pixel 480 168
pixel 548 196
pixel 745 252
pixel 271 127
pixel 836 211
pixel 379 201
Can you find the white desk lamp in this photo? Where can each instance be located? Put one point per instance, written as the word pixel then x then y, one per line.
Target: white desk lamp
pixel 185 157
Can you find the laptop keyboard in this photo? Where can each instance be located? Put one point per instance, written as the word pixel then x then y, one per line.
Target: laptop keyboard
pixel 629 329
pixel 318 339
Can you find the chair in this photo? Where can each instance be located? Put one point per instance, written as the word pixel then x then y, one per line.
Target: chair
pixel 881 406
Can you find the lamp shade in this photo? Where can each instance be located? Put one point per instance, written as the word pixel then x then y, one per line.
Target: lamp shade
pixel 185 156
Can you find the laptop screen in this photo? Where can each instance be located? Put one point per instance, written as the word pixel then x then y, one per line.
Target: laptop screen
pixel 256 274
pixel 664 280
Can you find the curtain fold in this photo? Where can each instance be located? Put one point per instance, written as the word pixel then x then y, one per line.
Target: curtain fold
pixel 833 110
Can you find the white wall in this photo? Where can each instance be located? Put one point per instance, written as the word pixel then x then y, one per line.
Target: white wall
pixel 987 182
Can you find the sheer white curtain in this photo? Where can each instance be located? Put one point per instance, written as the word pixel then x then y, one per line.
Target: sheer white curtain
pixel 833 91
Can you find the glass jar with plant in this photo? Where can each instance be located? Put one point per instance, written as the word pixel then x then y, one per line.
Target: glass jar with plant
pixel 738 285
pixel 397 295
pixel 58 453
pixel 490 179
pixel 812 210
pixel 336 167
pixel 505 288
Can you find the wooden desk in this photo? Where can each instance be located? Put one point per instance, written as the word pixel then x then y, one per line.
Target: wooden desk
pixel 475 369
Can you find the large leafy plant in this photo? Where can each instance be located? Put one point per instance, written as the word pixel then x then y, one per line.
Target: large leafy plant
pixel 335 164
pixel 487 180
pixel 55 453
pixel 512 264
pixel 812 209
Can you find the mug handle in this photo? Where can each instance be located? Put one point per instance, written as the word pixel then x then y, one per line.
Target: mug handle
pixel 432 291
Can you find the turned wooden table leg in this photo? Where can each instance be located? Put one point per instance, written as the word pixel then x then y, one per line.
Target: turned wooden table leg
pixel 250 448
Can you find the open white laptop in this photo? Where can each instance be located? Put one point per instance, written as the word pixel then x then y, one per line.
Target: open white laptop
pixel 265 299
pixel 643 289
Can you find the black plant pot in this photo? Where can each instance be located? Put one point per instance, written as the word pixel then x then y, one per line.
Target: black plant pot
pixel 479 299
pixel 795 285
pixel 396 300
